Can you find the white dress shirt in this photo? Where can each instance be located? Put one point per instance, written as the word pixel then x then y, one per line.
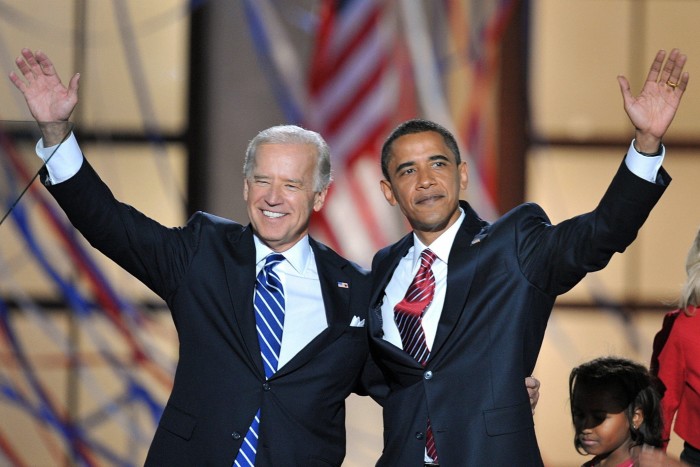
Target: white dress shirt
pixel 304 313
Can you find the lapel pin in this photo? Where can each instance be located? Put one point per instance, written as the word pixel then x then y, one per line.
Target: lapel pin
pixel 343 285
pixel 479 237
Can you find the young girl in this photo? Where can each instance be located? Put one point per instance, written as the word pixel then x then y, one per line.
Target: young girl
pixel 615 410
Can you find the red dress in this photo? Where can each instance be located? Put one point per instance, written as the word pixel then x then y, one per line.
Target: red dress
pixel 676 361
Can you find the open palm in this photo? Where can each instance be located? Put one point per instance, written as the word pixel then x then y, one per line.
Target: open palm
pixel 653 110
pixel 47 98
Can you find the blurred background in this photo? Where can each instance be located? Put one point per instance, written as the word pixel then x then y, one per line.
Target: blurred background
pixel 171 93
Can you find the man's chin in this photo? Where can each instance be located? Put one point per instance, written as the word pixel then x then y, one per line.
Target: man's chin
pixel 426 226
pixel 268 233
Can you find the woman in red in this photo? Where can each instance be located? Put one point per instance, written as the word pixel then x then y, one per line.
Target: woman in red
pixel 676 362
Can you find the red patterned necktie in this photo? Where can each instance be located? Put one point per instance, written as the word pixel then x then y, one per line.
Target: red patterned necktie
pixel 408 314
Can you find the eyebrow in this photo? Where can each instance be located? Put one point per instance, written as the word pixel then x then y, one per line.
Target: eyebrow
pixel 436 157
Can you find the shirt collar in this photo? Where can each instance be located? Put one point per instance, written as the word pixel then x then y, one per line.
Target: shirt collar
pixel 442 245
pixel 297 256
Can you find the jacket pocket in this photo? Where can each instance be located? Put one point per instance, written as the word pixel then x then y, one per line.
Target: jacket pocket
pixel 508 419
pixel 177 422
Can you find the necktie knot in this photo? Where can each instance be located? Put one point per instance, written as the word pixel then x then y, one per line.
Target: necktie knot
pixel 272 260
pixel 420 293
pixel 269 278
pixel 427 257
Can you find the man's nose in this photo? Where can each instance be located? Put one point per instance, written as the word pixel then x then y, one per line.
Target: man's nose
pixel 426 178
pixel 273 195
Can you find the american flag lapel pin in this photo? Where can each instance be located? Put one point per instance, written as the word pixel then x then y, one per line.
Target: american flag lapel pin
pixel 479 237
pixel 343 285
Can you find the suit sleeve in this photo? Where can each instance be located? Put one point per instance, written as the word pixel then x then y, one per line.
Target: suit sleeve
pixel 156 255
pixel 554 258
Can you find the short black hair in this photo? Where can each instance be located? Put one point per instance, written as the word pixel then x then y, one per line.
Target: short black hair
pixel 417 125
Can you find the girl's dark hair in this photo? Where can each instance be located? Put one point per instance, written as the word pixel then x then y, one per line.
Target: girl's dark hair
pixel 636 388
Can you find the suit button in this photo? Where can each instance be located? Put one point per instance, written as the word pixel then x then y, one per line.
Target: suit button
pixel 266 386
pixel 420 435
pixel 428 375
pixel 236 435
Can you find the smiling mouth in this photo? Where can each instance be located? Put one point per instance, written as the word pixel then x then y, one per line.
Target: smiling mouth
pixel 272 215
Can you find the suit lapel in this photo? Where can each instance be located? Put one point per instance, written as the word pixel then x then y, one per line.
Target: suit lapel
pixel 240 276
pixel 460 274
pixel 382 274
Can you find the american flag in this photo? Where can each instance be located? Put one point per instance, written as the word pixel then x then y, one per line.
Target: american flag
pixel 354 91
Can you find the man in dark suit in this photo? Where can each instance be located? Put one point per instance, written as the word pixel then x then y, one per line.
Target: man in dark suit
pixel 460 306
pixel 225 409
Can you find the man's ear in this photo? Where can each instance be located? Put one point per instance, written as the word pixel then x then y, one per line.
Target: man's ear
pixel 319 199
pixel 385 186
pixel 463 175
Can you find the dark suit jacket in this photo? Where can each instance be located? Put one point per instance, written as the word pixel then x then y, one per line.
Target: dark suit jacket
pixel 502 281
pixel 205 271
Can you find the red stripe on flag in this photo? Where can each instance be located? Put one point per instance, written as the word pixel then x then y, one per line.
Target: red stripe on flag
pixel 335 62
pixel 368 85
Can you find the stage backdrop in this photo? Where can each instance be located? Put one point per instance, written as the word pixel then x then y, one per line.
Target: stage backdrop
pixel 87 353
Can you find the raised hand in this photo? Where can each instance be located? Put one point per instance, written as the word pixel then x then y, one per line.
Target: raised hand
pixel 47 98
pixel 653 110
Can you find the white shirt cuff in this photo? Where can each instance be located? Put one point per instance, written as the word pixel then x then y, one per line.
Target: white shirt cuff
pixel 646 167
pixel 62 161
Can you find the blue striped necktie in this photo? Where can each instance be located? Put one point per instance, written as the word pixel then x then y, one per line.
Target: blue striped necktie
pixel 269 319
